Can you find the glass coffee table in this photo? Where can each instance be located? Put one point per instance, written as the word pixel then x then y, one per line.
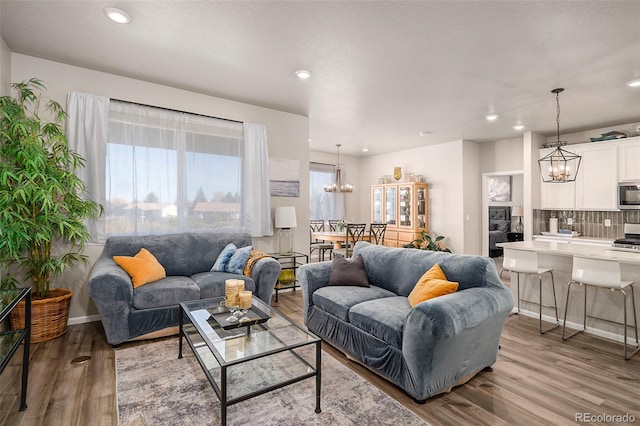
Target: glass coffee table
pixel 262 351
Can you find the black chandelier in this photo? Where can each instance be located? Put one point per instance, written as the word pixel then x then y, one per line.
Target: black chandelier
pixel 560 165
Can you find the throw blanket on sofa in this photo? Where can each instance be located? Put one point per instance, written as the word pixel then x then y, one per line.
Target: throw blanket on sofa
pixel 253 258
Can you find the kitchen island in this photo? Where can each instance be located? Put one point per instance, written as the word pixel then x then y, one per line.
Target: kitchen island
pixel 576 247
pixel 558 255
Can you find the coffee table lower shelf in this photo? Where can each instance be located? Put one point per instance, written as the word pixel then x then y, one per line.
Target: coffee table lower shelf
pixel 245 362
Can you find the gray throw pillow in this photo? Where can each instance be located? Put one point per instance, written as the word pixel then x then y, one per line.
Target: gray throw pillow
pixel 348 272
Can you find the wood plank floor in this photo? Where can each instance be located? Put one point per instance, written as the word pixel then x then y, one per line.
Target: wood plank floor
pixel 537 380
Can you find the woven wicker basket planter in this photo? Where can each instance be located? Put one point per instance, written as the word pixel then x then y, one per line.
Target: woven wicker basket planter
pixel 48 316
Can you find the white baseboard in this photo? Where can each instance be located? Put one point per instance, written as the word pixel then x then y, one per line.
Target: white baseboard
pixel 575 326
pixel 82 320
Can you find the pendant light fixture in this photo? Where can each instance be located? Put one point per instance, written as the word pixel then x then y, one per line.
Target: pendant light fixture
pixel 559 166
pixel 337 185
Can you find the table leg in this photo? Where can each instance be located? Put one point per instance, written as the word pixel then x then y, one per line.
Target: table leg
pixel 181 327
pixel 223 396
pixel 25 353
pixel 318 375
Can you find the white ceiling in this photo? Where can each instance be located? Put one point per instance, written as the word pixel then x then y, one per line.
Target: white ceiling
pixel 382 71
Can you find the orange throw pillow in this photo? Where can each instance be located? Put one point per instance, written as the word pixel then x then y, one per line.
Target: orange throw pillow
pixel 143 268
pixel 432 284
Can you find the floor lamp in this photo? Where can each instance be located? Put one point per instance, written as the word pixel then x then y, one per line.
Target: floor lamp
pixel 285 220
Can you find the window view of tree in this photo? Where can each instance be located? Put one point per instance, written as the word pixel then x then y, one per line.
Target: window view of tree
pixel 163 178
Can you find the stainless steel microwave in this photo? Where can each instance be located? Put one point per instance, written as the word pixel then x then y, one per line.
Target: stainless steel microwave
pixel 629 195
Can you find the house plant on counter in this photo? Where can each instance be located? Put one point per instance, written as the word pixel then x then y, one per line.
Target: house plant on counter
pixel 42 205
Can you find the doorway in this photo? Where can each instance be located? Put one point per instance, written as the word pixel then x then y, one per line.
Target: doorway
pixel 501 192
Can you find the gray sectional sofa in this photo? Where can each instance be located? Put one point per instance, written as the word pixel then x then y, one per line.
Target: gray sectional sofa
pixel 425 350
pixel 129 313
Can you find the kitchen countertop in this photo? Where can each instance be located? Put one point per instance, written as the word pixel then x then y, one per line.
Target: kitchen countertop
pixel 568 238
pixel 575 248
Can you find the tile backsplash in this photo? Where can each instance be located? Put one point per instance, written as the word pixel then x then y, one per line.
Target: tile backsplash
pixel 588 224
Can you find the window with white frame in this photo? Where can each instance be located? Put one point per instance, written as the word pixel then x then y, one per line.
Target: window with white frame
pixel 168 171
pixel 324 205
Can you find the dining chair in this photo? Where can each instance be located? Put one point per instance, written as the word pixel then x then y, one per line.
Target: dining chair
pixel 333 224
pixel 318 245
pixel 355 233
pixel 602 273
pixel 376 233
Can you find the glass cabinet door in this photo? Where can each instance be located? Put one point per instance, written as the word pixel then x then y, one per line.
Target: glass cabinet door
pixel 376 205
pixel 390 205
pixel 421 205
pixel 404 211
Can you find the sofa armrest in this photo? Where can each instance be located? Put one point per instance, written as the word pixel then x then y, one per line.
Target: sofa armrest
pixel 265 274
pixel 449 337
pixel 312 276
pixel 111 289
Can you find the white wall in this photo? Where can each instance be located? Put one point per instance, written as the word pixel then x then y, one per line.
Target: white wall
pixel 472 198
pixel 5 69
pixel 501 156
pixel 442 166
pixel 287 133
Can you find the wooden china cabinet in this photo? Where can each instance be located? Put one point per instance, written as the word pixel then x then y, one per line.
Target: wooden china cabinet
pixel 403 207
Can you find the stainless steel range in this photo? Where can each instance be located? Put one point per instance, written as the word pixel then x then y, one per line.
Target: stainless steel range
pixel 631 240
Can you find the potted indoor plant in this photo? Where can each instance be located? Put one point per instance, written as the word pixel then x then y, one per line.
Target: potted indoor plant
pixel 42 204
pixel 425 242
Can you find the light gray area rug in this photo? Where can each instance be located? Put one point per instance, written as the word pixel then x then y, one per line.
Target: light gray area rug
pixel 155 387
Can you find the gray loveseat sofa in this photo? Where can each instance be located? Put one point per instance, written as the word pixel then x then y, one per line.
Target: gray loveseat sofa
pixel 129 313
pixel 425 350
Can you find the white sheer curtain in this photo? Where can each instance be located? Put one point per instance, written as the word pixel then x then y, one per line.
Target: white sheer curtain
pixel 256 199
pixel 159 171
pixel 87 130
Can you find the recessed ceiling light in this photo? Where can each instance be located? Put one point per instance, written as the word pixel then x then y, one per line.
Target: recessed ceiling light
pixel 491 117
pixel 519 126
pixel 365 149
pixel 303 74
pixel 117 15
pixel 633 83
pixel 425 133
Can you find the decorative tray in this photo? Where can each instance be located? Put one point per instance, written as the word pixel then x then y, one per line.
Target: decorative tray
pixel 253 316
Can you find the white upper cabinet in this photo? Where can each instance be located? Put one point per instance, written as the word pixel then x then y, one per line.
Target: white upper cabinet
pixel 629 159
pixel 597 178
pixel 556 196
pixel 603 164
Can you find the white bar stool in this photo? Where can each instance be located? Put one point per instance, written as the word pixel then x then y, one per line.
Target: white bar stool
pixel 601 273
pixel 526 262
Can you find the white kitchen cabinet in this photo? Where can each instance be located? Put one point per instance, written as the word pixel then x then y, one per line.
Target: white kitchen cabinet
pixel 629 159
pixel 556 195
pixel 595 187
pixel 597 179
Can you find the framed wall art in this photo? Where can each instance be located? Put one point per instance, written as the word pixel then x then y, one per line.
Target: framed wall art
pixel 499 188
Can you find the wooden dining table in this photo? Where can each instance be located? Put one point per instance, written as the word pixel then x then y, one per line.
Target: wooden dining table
pixel 337 238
